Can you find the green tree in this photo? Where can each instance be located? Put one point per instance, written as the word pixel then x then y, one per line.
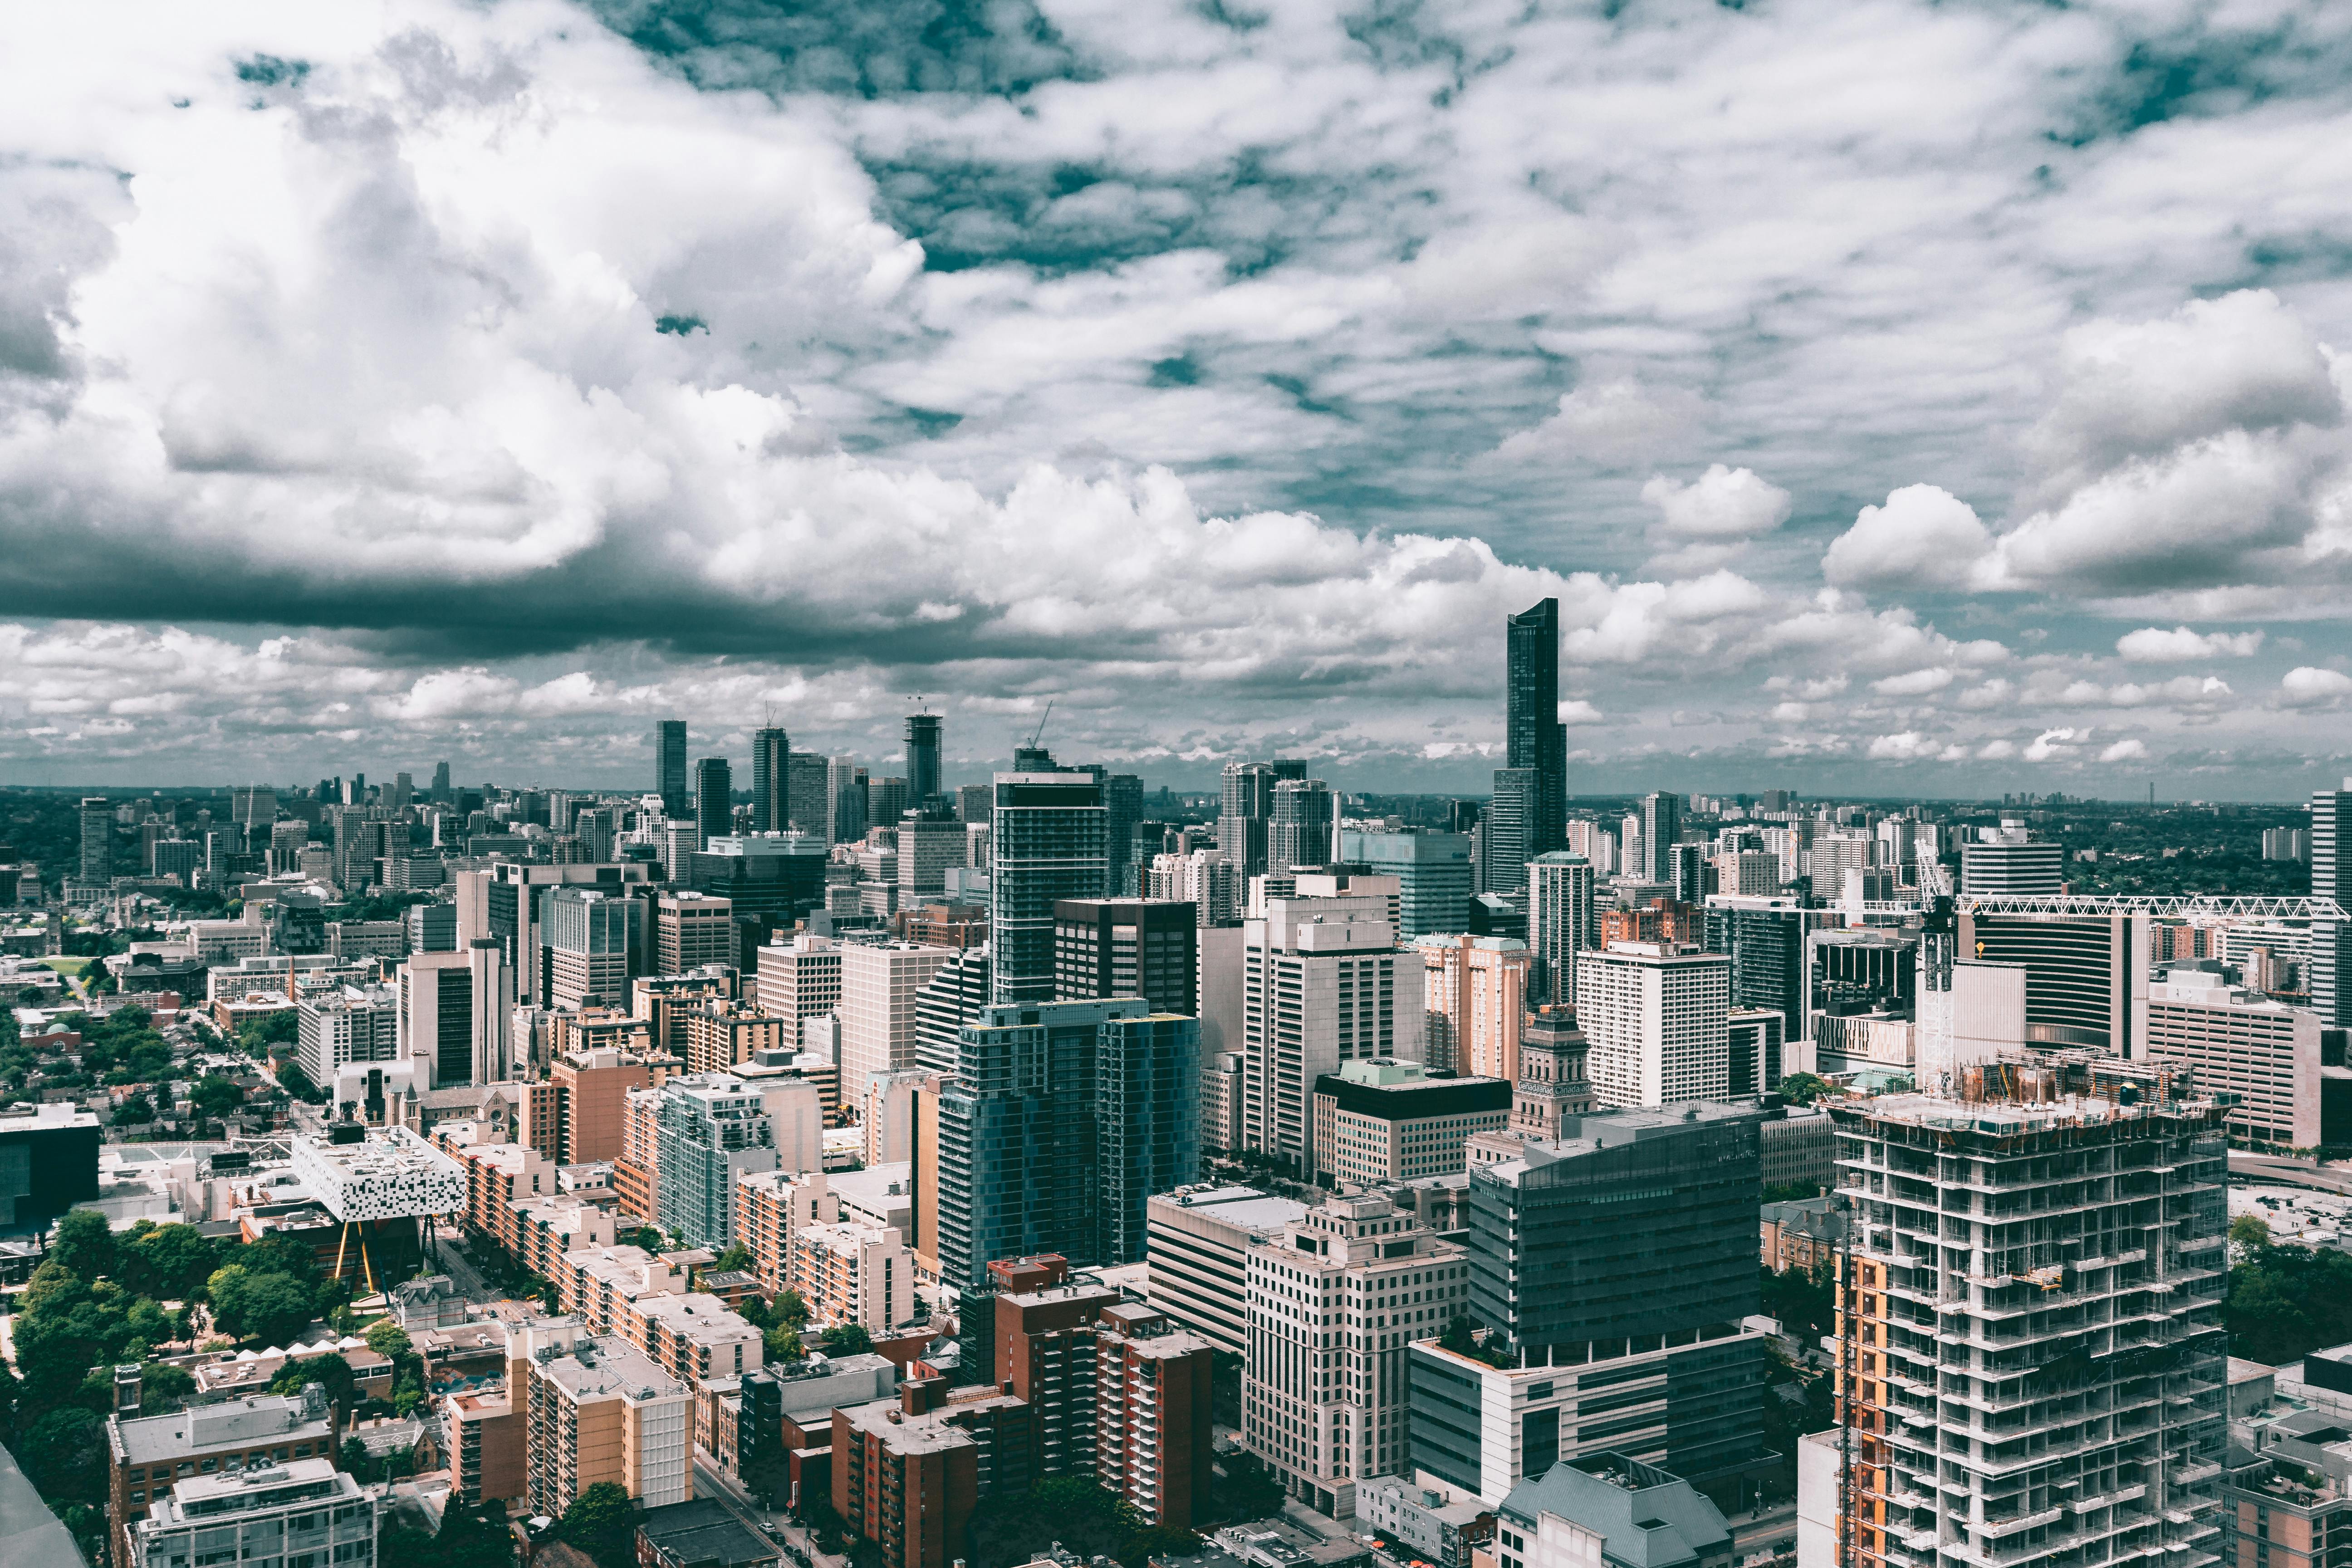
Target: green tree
pixel 645 1236
pixel 296 1082
pixel 161 1385
pixel 1159 1540
pixel 1804 1087
pixel 782 1344
pixel 331 1373
pixel 215 1095
pixel 388 1340
pixel 845 1339
pixel 736 1260
pixel 84 1245
pixel 474 1538
pixel 2249 1233
pixel 64 1453
pixel 135 1111
pixel 272 1308
pixel 603 1523
pixel 354 1458
pixel 792 1309
pixel 169 1262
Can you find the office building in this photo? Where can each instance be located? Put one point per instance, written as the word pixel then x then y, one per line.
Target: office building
pixel 49 1155
pixel 2008 860
pixel 1476 990
pixel 1534 739
pixel 1332 1307
pixel 304 1510
pixel 1122 796
pixel 596 1408
pixel 1247 812
pixel 808 795
pixel 1323 982
pixel 881 986
pixel 2286 844
pixel 1049 842
pixel 1612 1267
pixel 2240 1043
pixel 1661 829
pixel 1554 1084
pixel 800 978
pixel 691 929
pixel 148 1455
pixel 1764 938
pixel 1611 1508
pixel 711 1128
pixel 2110 1391
pixel 1435 877
pixel 1392 1121
pixel 502 903
pixel 930 847
pixel 1300 830
pixel 347 1023
pixel 1507 830
pixel 1128 947
pixel 1753 1040
pixel 587 937
pixel 455 1010
pixel 2331 878
pixel 845 800
pixel 952 997
pixel 97 839
pixel 2085 976
pixel 1562 924
pixel 1062 1120
pixel 1152 1425
pixel 770 777
pixel 430 928
pixel 1656 1022
pixel 1199 1243
pixel 714 797
pixel 670 779
pixel 922 759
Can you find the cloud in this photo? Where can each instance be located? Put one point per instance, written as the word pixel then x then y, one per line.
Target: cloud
pixel 1616 424
pixel 1923 537
pixel 2153 645
pixel 2125 751
pixel 2308 685
pixel 2052 743
pixel 1720 504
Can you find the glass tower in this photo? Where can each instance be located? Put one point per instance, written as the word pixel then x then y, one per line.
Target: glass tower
pixel 1532 732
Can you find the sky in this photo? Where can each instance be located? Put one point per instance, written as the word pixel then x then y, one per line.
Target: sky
pixel 1900 399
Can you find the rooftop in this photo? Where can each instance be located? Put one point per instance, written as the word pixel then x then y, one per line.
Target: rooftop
pixel 1244 1206
pixel 237 1424
pixel 601 1367
pixel 1647 1517
pixel 259 1486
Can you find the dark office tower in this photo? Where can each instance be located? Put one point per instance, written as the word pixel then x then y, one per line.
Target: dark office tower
pixel 770 805
pixel 670 780
pixel 922 757
pixel 1690 871
pixel 1047 845
pixel 2331 878
pixel 714 797
pixel 1241 823
pixel 1300 832
pixel 1105 947
pixel 1123 803
pixel 1507 830
pixel 441 782
pixel 885 801
pixel 1766 948
pixel 1532 732
pixel 1614 1265
pixel 1662 829
pixel 97 839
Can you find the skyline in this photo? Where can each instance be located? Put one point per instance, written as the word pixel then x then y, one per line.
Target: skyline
pixel 1901 402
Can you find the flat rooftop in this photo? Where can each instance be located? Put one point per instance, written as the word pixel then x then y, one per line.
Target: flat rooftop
pixel 611 1369
pixel 1244 1206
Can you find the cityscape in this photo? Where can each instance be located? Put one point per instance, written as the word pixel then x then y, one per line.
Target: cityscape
pixel 1022 784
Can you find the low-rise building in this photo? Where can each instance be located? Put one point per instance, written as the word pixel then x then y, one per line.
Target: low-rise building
pixel 302 1511
pixel 1609 1509
pixel 148 1454
pixel 1436 1523
pixel 1200 1241
pixel 1382 1120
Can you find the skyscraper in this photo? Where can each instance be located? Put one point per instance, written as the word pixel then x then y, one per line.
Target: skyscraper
pixel 1533 737
pixel 669 769
pixel 442 793
pixel 1434 875
pixel 1507 829
pixel 922 757
pixel 1049 842
pixel 1662 829
pixel 97 839
pixel 846 789
pixel 2331 941
pixel 808 792
pixel 714 797
pixel 1299 831
pixel 1561 922
pixel 771 808
pixel 1241 823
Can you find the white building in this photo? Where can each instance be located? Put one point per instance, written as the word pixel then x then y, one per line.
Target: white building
pixel 1322 983
pixel 2009 859
pixel 303 1508
pixel 454 1013
pixel 1656 1024
pixel 346 1024
pixel 2241 1043
pixel 880 983
pixel 1332 1306
pixel 391 1175
pixel 854 1273
pixel 1199 1241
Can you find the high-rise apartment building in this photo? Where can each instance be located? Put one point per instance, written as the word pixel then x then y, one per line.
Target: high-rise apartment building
pixel 1333 1305
pixel 2262 1054
pixel 455 1009
pixel 1153 1430
pixel 1128 947
pixel 930 845
pixel 1049 842
pixel 1656 1022
pixel 881 986
pixel 1476 992
pixel 593 1091
pixel 1534 738
pixel 596 1408
pixel 770 777
pixel 808 794
pixel 97 839
pixel 800 978
pixel 1392 1121
pixel 1661 829
pixel 952 997
pixel 503 903
pixel 2009 859
pixel 714 799
pixel 691 929
pixel 845 800
pixel 1562 924
pixel 346 1024
pixel 670 778
pixel 922 759
pixel 1247 809
pixel 2065 1399
pixel 587 937
pixel 1323 982
pixel 711 1129
pixel 1507 829
pixel 1300 830
pixel 1613 1267
pixel 2331 878
pixel 151 1456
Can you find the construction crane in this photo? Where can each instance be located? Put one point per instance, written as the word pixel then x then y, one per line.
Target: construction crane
pixel 1039 732
pixel 2174 906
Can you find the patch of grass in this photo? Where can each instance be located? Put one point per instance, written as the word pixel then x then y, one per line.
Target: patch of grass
pixel 74 966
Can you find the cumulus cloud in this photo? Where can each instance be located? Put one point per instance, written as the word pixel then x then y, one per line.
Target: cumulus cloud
pixel 2125 751
pixel 2153 645
pixel 1923 537
pixel 1615 424
pixel 2308 685
pixel 2054 743
pixel 1720 504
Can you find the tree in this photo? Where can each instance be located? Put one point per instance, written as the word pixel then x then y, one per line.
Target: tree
pixel 331 1373
pixel 162 1383
pixel 215 1095
pixel 845 1339
pixel 782 1344
pixel 296 1082
pixel 2249 1234
pixel 474 1538
pixel 169 1262
pixel 791 1308
pixel 64 1454
pixel 135 1111
pixel 645 1236
pixel 1159 1540
pixel 603 1523
pixel 736 1260
pixel 354 1458
pixel 272 1308
pixel 84 1245
pixel 388 1340
pixel 1804 1087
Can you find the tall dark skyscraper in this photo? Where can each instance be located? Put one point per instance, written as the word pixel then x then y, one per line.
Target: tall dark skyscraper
pixel 1532 732
pixel 922 757
pixel 714 797
pixel 669 769
pixel 771 808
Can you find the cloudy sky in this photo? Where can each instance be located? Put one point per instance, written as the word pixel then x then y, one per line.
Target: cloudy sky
pixel 1899 398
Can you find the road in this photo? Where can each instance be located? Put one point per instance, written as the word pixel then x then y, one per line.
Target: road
pixel 709 1483
pixel 1769 1528
pixel 2288 1173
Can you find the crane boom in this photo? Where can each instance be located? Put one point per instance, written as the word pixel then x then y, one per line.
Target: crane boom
pixel 2176 906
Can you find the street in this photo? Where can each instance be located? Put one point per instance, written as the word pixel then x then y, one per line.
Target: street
pixel 2288 1171
pixel 709 1483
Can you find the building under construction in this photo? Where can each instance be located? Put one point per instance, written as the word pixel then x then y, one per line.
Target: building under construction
pixel 2030 1358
